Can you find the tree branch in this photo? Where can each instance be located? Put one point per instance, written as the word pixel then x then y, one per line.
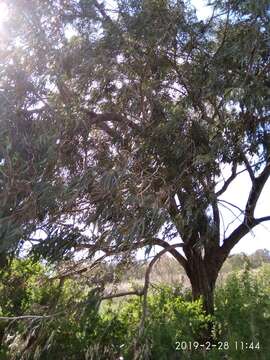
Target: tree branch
pixel 147 281
pixel 125 293
pixel 110 116
pixel 74 272
pixel 182 261
pixel 249 221
pixel 231 204
pixel 262 219
pixel 228 181
pixel 255 192
pixel 151 241
pixel 29 317
pixel 249 168
pixel 102 11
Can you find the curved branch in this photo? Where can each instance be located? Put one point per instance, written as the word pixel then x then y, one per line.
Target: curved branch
pixel 249 221
pixel 256 190
pixel 110 251
pixel 249 168
pixel 233 205
pixel 238 234
pixel 145 292
pixel 229 180
pixel 180 258
pixel 147 280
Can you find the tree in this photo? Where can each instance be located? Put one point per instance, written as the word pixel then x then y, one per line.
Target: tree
pixel 116 124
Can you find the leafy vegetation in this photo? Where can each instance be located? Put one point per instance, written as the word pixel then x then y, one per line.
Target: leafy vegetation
pixel 84 328
pixel 116 126
pixel 122 127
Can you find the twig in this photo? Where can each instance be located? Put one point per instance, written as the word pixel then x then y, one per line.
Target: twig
pixel 29 317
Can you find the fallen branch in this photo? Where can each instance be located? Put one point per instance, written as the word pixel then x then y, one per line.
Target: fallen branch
pixel 125 293
pixel 29 317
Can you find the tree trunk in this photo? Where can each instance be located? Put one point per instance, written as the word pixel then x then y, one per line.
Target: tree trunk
pixel 203 277
pixel 201 288
pixel 202 274
pixel 203 285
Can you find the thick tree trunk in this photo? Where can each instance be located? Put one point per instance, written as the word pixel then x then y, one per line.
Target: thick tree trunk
pixel 202 276
pixel 202 288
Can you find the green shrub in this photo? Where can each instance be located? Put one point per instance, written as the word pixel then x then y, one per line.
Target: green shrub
pixel 243 312
pixel 82 329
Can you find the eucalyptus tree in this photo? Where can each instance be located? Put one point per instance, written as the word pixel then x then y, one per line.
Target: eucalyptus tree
pixel 117 120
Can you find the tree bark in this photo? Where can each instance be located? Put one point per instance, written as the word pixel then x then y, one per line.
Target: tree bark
pixel 202 289
pixel 202 276
pixel 202 270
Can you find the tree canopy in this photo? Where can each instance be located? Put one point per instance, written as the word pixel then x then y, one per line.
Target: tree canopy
pixel 116 122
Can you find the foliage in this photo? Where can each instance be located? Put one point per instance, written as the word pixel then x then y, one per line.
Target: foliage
pixel 170 318
pixel 116 126
pixel 19 286
pixel 243 310
pixel 85 330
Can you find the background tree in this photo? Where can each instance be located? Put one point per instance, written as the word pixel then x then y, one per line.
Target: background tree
pixel 116 125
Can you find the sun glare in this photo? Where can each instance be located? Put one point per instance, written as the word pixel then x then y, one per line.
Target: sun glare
pixel 3 13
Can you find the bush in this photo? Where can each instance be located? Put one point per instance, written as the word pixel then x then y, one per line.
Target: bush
pixel 243 312
pixel 82 329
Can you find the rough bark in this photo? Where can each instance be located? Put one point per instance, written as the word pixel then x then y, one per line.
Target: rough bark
pixel 202 278
pixel 202 273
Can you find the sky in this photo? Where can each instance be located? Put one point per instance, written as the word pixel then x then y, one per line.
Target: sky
pixel 237 194
pixel 3 12
pixel 238 191
pixel 203 11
